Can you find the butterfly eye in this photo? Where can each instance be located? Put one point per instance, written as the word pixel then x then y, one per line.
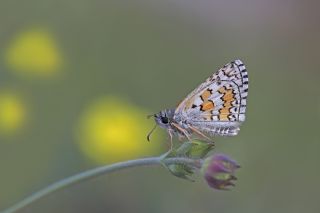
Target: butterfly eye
pixel 164 120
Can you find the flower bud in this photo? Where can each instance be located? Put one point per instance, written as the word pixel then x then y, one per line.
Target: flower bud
pixel 199 149
pixel 181 171
pixel 218 170
pixel 191 150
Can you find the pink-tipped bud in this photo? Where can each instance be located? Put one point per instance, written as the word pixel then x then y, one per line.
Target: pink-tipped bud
pixel 218 170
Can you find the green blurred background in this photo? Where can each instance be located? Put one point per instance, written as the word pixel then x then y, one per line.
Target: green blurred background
pixel 77 79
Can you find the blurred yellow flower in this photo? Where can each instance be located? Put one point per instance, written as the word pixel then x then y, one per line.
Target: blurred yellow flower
pixel 12 112
pixel 113 130
pixel 34 52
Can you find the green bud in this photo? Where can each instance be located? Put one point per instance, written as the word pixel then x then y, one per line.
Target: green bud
pixel 193 150
pixel 181 171
pixel 199 149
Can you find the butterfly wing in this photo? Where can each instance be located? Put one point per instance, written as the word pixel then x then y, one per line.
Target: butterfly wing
pixel 218 105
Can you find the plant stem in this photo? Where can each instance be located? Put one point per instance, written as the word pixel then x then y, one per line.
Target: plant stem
pixel 93 173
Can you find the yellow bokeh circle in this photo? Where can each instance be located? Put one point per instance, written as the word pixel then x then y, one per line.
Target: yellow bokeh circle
pixel 112 130
pixel 34 52
pixel 12 112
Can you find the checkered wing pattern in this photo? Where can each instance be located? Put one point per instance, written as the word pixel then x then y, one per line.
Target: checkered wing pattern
pixel 218 105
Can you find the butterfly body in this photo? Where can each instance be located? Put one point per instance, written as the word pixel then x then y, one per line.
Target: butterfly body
pixel 215 107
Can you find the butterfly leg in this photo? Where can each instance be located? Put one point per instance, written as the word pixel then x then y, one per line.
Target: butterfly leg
pixel 183 131
pixel 180 137
pixel 195 130
pixel 170 135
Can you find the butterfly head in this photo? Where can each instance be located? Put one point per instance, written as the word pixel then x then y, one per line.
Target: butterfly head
pixel 164 118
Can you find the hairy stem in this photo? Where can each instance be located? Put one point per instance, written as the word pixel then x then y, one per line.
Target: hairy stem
pixel 93 173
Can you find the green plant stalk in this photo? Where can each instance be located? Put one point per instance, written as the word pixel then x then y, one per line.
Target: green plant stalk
pixel 93 173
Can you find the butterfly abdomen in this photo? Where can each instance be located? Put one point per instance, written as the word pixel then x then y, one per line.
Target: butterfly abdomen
pixel 218 128
pixel 224 131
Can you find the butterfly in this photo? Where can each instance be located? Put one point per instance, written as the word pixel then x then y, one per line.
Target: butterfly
pixel 215 107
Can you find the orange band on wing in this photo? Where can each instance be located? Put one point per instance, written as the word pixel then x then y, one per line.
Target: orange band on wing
pixel 208 105
pixel 206 94
pixel 228 97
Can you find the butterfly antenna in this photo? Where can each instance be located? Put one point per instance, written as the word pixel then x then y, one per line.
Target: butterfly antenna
pixel 148 136
pixel 149 116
